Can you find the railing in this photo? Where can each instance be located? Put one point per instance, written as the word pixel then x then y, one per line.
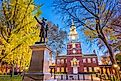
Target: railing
pixel 86 77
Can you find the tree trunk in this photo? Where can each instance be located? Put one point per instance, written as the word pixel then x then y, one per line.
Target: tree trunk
pixel 109 50
pixel 112 58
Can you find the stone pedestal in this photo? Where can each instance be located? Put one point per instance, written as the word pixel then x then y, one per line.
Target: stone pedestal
pixel 39 65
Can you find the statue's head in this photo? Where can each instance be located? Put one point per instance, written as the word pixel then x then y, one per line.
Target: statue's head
pixel 43 19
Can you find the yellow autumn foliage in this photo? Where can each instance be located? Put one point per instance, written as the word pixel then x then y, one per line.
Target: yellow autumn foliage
pixel 20 33
pixel 90 34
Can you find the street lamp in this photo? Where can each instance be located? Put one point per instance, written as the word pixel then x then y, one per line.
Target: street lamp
pixel 116 66
pixel 117 70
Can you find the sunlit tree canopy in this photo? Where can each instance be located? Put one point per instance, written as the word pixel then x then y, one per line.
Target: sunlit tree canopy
pixel 18 30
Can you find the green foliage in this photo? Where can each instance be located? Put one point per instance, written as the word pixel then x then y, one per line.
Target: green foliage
pixel 118 59
pixel 8 78
pixel 18 31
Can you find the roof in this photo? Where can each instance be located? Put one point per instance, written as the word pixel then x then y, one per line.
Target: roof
pixel 89 55
pixel 83 55
pixel 61 56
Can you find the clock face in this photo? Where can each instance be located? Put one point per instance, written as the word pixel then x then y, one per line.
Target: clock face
pixel 74 51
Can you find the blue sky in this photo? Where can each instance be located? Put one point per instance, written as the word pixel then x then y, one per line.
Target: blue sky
pixel 48 13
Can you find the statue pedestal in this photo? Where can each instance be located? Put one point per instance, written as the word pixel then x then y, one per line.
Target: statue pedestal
pixel 39 65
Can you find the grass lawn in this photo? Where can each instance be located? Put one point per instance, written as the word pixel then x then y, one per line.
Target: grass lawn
pixel 8 78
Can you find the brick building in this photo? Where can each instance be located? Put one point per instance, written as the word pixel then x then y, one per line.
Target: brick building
pixel 74 61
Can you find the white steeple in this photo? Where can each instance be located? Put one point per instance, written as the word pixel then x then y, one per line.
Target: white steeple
pixel 73 35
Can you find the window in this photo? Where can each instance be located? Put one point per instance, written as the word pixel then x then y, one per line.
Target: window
pixel 62 61
pixel 89 60
pixel 58 61
pixel 69 46
pixel 94 60
pixel 69 51
pixel 66 69
pixel 62 69
pixel 78 45
pixel 58 69
pixel 79 51
pixel 52 70
pixel 85 69
pixel 84 60
pixel 74 62
pixel 66 60
pixel 73 45
pixel 108 70
pixel 95 69
pixel 90 69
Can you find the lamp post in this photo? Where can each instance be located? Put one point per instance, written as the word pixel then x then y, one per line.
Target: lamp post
pixel 116 67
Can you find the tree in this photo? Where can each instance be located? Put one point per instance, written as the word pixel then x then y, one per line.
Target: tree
pixel 118 59
pixel 56 39
pixel 116 34
pixel 18 30
pixel 93 15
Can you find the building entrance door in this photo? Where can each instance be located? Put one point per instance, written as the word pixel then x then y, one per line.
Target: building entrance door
pixel 75 69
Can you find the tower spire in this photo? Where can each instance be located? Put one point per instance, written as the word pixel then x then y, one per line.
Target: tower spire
pixel 73 35
pixel 72 23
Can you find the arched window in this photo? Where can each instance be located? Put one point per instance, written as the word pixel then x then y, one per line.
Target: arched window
pixel 74 62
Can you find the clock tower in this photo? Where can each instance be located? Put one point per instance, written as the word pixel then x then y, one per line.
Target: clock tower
pixel 73 46
pixel 74 52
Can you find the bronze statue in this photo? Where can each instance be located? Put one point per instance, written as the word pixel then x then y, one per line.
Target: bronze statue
pixel 43 30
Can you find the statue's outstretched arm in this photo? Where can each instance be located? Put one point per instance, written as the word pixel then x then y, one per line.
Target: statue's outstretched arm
pixel 37 20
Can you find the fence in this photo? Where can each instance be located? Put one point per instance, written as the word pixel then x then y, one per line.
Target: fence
pixel 90 77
